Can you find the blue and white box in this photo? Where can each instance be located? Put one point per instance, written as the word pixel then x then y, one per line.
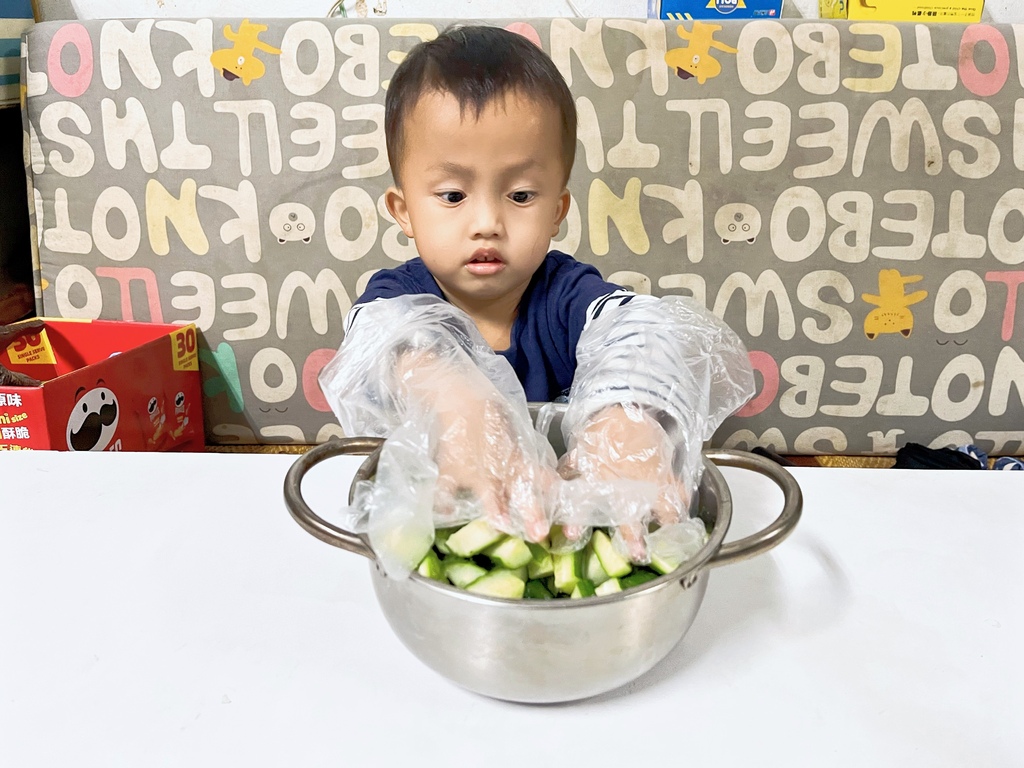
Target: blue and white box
pixel 680 10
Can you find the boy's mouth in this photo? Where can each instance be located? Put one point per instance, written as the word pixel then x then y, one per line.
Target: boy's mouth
pixel 485 261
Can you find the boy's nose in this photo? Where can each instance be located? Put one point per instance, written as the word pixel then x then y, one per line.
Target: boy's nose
pixel 487 219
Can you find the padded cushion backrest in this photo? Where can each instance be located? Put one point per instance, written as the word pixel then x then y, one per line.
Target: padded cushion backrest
pixel 848 197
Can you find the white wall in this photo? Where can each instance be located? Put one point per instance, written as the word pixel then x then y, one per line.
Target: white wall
pixel 996 10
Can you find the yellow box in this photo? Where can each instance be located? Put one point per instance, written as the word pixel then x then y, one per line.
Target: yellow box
pixel 963 11
pixel 832 9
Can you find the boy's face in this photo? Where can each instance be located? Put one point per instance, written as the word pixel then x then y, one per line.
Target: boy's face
pixel 482 197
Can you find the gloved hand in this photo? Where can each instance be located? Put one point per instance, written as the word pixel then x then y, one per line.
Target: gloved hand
pixel 624 443
pixel 418 363
pixel 488 464
pixel 654 380
pixel 8 333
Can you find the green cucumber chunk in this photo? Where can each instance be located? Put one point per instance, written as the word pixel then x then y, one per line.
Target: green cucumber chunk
pixel 540 548
pixel 441 539
pixel 568 571
pixel 430 566
pixel 462 573
pixel 592 567
pixel 663 565
pixel 473 538
pixel 536 590
pixel 609 587
pixel 636 578
pixel 542 567
pixel 498 583
pixel 511 552
pixel 614 564
pixel 583 588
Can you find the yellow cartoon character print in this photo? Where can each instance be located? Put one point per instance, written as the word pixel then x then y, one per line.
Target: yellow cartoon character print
pixel 239 61
pixel 695 59
pixel 892 314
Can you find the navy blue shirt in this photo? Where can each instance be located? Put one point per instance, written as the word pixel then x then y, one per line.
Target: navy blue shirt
pixel 562 297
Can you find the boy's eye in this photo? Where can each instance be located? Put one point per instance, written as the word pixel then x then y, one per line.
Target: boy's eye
pixel 452 197
pixel 521 197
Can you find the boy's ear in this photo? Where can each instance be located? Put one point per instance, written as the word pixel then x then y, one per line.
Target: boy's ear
pixel 394 200
pixel 562 212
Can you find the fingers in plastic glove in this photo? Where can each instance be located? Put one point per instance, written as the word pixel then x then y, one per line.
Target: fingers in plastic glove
pixel 574 532
pixel 632 539
pixel 529 490
pixel 672 504
pixel 624 443
pixel 514 505
pixel 487 472
pixel 584 504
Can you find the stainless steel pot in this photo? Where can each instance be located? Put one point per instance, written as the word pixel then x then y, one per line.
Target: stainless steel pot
pixel 550 650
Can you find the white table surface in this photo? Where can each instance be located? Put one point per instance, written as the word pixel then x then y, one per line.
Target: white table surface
pixel 164 610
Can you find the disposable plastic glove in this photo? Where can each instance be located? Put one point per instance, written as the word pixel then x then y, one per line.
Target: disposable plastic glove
pixel 419 362
pixel 624 443
pixel 654 379
pixel 487 466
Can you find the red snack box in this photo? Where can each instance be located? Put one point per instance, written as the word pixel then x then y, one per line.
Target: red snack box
pixel 106 386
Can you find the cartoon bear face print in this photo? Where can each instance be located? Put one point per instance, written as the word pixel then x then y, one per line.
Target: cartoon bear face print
pixel 292 222
pixel 737 223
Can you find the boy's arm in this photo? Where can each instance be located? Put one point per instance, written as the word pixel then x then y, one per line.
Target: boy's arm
pixel 654 379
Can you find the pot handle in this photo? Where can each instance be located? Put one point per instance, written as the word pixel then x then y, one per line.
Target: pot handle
pixel 306 517
pixel 783 525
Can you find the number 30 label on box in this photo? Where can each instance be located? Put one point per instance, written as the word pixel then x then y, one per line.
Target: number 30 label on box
pixel 32 349
pixel 184 349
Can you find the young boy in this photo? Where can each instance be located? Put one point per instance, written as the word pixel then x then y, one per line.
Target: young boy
pixel 481 137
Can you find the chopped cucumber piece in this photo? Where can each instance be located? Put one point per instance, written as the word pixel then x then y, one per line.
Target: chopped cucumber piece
pixel 462 573
pixel 613 563
pixel 663 565
pixel 610 587
pixel 542 567
pixel 522 573
pixel 592 568
pixel 583 588
pixel 636 578
pixel 473 538
pixel 441 539
pixel 568 571
pixel 498 583
pixel 540 548
pixel 511 552
pixel 430 566
pixel 536 590
pixel 549 582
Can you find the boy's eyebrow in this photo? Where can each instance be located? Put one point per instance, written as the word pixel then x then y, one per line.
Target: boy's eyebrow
pixel 452 169
pixel 455 169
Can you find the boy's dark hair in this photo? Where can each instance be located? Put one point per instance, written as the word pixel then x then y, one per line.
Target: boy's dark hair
pixel 477 64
